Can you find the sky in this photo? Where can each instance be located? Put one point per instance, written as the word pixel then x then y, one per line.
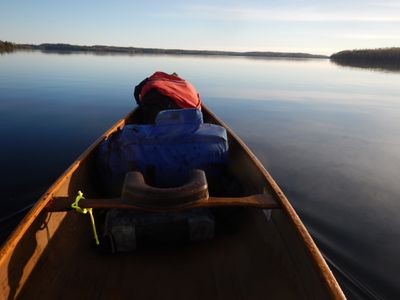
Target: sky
pixel 318 27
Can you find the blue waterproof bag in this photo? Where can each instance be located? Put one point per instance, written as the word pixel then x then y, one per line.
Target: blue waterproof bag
pixel 164 152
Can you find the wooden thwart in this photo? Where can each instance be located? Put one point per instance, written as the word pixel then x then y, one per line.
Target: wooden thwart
pixel 265 201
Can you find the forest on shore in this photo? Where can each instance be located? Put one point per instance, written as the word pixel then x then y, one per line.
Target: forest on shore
pixel 382 58
pixel 67 48
pixel 7 47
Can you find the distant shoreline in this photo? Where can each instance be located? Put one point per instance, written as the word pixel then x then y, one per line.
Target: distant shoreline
pixel 65 48
pixel 383 58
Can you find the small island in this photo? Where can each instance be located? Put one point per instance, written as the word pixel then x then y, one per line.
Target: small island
pixel 382 58
pixel 101 49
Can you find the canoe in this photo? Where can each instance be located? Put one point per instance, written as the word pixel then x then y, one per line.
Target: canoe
pixel 261 250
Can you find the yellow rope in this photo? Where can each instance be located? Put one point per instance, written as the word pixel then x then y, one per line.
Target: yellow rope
pixel 75 206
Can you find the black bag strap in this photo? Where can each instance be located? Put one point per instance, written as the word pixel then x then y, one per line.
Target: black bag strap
pixel 138 90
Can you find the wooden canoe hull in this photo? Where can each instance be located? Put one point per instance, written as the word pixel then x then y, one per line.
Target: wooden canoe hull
pixel 61 241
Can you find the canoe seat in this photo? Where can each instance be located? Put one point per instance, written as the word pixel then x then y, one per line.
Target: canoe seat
pixel 137 192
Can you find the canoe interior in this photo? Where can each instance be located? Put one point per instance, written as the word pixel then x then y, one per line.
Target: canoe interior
pixel 255 254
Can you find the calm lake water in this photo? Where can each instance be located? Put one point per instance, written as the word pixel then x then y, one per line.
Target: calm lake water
pixel 329 135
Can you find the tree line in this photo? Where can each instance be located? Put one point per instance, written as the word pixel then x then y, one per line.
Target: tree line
pixel 6 46
pixel 383 58
pixel 67 48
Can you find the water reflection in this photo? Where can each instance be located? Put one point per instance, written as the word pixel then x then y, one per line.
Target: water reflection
pixel 329 136
pixel 370 65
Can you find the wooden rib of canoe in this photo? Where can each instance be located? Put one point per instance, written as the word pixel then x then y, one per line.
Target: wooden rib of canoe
pixel 264 252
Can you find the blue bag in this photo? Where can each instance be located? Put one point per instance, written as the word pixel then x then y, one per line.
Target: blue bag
pixel 164 152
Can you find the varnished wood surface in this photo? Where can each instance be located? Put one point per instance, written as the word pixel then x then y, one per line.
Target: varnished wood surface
pixel 235 265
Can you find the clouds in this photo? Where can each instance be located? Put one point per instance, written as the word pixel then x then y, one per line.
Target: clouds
pixel 292 13
pixel 386 4
pixel 368 36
